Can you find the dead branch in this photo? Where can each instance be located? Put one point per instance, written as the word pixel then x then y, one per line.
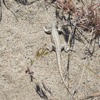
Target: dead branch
pixel 97 94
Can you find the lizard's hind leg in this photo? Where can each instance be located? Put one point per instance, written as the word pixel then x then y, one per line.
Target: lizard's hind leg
pixel 51 47
pixel 64 47
pixel 47 31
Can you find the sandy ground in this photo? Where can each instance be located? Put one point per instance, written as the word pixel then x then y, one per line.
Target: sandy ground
pixel 19 42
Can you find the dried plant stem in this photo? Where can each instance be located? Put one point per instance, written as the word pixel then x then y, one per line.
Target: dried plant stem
pixel 9 9
pixel 97 94
pixel 88 68
pixel 0 11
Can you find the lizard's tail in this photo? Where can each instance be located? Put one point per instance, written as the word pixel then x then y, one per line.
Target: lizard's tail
pixel 62 78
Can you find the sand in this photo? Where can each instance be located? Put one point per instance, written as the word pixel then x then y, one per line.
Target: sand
pixel 21 38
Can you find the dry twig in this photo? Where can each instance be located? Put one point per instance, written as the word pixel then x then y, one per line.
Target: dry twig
pixel 97 94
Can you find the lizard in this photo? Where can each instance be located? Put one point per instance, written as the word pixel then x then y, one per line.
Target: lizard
pixel 56 46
